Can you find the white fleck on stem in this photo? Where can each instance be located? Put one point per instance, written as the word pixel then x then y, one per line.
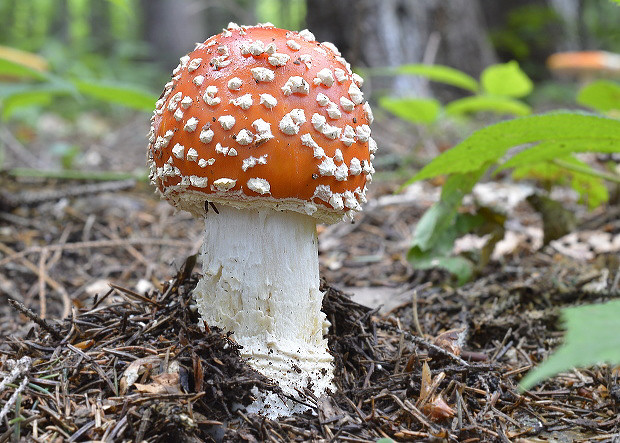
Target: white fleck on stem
pixel 13 399
pixel 261 281
pixel 20 367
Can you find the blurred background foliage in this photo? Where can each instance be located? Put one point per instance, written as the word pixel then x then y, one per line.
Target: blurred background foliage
pixel 133 44
pixel 445 68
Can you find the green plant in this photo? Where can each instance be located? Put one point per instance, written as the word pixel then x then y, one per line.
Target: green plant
pixel 549 142
pixel 36 87
pixel 591 338
pixel 71 52
pixel 552 138
pixel 591 331
pixel 498 91
pixel 28 86
pixel 599 18
pixel 602 96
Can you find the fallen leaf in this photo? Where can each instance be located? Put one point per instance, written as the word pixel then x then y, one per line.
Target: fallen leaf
pixel 165 383
pixel 134 370
pixel 451 340
pixel 438 409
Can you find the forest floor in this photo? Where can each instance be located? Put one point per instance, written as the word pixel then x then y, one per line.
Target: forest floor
pixel 120 355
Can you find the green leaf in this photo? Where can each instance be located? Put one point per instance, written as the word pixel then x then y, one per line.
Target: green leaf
pixel 553 149
pixel 592 337
pixel 488 103
pixel 458 266
pixel 14 69
pixel 385 440
pixel 493 226
pixel 443 213
pixel 590 187
pixel 415 110
pixel 489 144
pixel 601 95
pixel 25 99
pixel 67 153
pixel 441 225
pixel 435 220
pixel 123 95
pixel 443 74
pixel 30 95
pixel 506 79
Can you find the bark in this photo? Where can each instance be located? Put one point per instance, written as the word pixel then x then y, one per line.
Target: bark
pixel 172 27
pixel 569 11
pixel 395 32
pixel 465 44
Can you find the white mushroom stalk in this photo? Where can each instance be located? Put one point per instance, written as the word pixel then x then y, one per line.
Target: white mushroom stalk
pixel 272 128
pixel 261 281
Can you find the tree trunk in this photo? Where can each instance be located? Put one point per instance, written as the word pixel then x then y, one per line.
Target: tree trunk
pixel 394 32
pixel 465 44
pixel 172 27
pixel 569 11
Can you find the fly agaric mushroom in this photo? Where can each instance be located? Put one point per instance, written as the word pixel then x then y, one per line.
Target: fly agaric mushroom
pixel 272 127
pixel 585 64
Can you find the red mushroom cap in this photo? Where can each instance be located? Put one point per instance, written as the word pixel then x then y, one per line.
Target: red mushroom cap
pixel 263 116
pixel 585 61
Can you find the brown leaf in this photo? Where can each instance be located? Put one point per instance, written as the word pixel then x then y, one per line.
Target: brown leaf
pixel 451 340
pixel 134 370
pixel 410 363
pixel 438 409
pixel 167 383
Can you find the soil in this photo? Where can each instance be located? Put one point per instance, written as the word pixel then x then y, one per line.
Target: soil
pixel 102 323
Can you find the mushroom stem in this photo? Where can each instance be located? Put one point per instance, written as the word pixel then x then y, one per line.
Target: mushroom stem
pixel 261 282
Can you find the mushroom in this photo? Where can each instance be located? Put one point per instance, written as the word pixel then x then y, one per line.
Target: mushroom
pixel 585 65
pixel 269 127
